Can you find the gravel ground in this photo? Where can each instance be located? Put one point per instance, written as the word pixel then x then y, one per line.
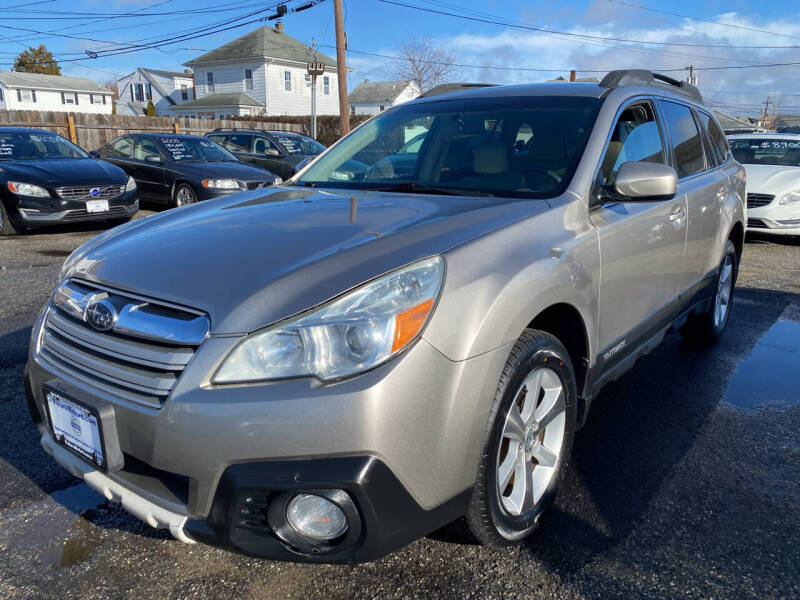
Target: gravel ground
pixel 678 486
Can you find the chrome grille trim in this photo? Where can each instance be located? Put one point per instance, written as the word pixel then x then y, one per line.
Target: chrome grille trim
pixel 139 359
pixel 83 192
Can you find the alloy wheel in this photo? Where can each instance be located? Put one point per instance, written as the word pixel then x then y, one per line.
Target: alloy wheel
pixel 724 287
pixel 185 196
pixel 531 442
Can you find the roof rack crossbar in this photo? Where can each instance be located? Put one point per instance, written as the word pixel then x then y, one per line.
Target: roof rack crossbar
pixel 626 77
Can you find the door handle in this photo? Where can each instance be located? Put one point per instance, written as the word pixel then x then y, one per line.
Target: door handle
pixel 677 214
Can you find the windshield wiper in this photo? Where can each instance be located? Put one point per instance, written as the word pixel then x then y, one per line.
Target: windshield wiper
pixel 413 187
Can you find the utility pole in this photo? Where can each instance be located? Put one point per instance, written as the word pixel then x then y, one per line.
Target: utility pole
pixel 573 75
pixel 314 68
pixel 692 79
pixel 766 107
pixel 341 65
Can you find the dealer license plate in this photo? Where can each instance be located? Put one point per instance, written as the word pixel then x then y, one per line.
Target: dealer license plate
pixel 76 427
pixel 96 206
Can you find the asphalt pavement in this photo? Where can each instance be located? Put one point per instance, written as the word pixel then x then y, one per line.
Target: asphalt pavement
pixel 685 483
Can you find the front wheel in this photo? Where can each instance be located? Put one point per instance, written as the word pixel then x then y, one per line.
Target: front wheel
pixel 708 326
pixel 528 441
pixel 7 228
pixel 184 195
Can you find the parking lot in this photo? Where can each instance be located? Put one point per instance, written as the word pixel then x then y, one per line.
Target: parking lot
pixel 684 483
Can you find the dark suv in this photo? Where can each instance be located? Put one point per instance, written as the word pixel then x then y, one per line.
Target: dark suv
pixel 276 151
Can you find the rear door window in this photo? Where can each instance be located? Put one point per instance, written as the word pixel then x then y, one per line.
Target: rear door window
pixel 686 142
pixel 719 147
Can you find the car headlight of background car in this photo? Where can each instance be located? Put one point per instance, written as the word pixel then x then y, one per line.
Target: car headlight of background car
pixel 221 184
pixel 131 185
pixel 349 335
pixel 28 189
pixel 790 198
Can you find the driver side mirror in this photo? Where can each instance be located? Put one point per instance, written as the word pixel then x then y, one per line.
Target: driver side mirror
pixel 94 154
pixel 271 152
pixel 644 182
pixel 156 160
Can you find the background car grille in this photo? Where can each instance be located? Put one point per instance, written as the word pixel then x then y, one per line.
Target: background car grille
pixel 133 368
pixel 115 212
pixel 83 192
pixel 758 200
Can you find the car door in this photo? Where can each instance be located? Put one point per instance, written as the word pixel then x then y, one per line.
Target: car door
pixel 151 173
pixel 641 243
pixel 120 153
pixel 702 183
pixel 268 155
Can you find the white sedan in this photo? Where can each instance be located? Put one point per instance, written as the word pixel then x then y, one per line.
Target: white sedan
pixel 772 162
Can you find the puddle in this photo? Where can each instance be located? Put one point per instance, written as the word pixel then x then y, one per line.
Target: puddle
pixel 81 543
pixel 771 373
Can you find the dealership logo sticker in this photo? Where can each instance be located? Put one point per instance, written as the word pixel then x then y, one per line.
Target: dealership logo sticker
pixel 101 314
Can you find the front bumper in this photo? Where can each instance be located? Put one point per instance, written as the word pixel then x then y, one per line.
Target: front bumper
pixel 403 441
pixel 774 219
pixel 35 212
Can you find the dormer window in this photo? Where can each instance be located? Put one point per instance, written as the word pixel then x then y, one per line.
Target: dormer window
pixel 210 82
pixel 248 79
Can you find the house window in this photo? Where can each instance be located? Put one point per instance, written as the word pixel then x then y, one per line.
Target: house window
pixel 26 95
pixel 209 82
pixel 308 79
pixel 137 89
pixel 383 108
pixel 248 79
pixel 326 85
pixel 184 92
pixel 149 89
pixel 352 109
pixel 1 94
pixel 287 81
pixel 97 98
pixel 69 98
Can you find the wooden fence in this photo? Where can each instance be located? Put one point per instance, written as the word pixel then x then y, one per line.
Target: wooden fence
pixel 91 131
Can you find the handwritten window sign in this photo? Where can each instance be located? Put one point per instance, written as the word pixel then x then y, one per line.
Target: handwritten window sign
pixel 36 146
pixel 200 149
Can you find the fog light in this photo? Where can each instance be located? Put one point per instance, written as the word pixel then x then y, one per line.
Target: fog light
pixel 316 517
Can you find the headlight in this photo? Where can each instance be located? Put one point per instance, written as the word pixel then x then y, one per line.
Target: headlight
pixel 131 185
pixel 358 331
pixel 790 198
pixel 28 189
pixel 221 184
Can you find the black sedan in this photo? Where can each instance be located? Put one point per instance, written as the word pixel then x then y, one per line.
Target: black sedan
pixel 46 179
pixel 182 169
pixel 276 151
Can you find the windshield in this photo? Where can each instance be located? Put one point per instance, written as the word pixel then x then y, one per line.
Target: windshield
pixel 299 144
pixel 515 147
pixel 37 146
pixel 763 151
pixel 196 149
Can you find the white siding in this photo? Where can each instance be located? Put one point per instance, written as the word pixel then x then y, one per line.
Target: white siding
pixel 127 106
pixel 298 100
pixel 230 79
pixel 373 108
pixel 50 100
pixel 176 94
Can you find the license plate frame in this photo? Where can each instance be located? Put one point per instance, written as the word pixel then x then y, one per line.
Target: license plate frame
pixel 97 206
pixel 66 437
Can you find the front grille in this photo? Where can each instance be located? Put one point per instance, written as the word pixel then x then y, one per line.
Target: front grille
pixel 140 359
pixel 84 192
pixel 758 200
pixel 758 223
pixel 81 214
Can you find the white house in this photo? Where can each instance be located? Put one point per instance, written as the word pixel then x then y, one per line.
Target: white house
pixel 372 97
pixel 260 73
pixel 165 88
pixel 34 91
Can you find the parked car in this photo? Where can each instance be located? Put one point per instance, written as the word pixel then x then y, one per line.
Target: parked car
pixel 328 370
pixel 772 162
pixel 46 179
pixel 276 151
pixel 182 169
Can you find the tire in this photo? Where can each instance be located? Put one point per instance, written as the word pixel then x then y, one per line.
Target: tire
pixel 513 446
pixel 7 227
pixel 184 195
pixel 706 328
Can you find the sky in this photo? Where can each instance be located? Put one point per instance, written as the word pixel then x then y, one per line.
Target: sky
pixel 737 47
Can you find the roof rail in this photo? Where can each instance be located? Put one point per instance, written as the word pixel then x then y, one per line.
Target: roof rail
pixel 447 88
pixel 625 77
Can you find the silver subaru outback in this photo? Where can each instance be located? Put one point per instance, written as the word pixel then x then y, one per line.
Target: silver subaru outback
pixel 407 334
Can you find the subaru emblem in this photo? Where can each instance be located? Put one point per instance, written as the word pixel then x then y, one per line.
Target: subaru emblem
pixel 101 314
pixel 94 192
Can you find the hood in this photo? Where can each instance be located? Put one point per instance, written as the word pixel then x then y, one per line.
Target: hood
pixel 68 171
pixel 237 170
pixel 772 179
pixel 258 257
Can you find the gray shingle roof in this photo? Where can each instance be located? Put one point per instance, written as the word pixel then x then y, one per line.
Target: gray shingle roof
pixel 229 99
pixel 377 91
pixel 168 73
pixel 38 81
pixel 149 74
pixel 264 42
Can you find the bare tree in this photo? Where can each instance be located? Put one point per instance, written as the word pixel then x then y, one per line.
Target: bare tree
pixel 423 62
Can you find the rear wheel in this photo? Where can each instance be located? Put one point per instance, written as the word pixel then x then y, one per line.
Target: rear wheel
pixel 184 195
pixel 708 326
pixel 528 442
pixel 6 225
